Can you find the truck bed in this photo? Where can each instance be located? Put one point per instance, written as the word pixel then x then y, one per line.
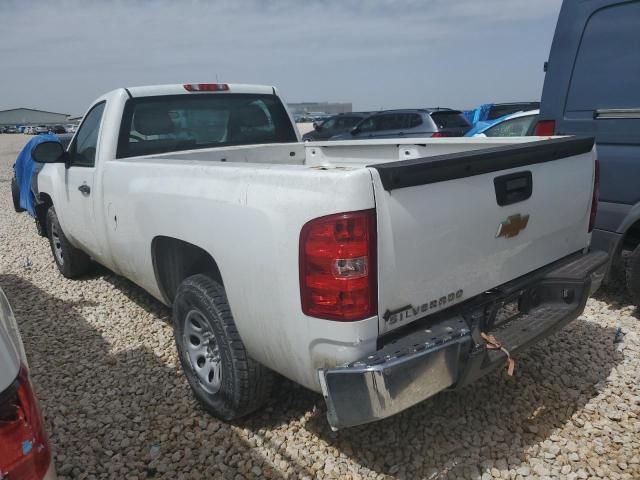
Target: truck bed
pixel 345 154
pixel 437 208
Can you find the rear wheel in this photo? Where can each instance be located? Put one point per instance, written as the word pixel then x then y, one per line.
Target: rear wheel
pixel 633 275
pixel 71 261
pixel 224 379
pixel 15 195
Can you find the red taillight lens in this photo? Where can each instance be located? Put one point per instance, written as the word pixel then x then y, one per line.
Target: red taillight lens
pixel 545 128
pixel 24 450
pixel 595 196
pixel 440 135
pixel 338 266
pixel 206 87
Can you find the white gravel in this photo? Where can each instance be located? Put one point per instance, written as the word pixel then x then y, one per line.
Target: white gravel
pixel 117 405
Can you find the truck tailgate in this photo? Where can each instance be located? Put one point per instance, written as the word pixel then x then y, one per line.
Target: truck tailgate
pixel 453 226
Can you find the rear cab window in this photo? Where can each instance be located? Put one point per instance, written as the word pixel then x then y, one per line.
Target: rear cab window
pixel 153 125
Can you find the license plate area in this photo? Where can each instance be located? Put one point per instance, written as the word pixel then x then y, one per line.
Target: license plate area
pixel 506 310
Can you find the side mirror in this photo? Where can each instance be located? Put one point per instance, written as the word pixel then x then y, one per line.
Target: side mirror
pixel 48 152
pixel 317 126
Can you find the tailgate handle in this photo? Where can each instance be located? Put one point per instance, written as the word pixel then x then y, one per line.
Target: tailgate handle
pixel 513 188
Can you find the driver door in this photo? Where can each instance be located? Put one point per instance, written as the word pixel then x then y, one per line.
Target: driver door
pixel 77 213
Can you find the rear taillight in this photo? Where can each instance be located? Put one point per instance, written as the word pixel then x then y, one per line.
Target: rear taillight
pixel 24 450
pixel 545 128
pixel 338 266
pixel 440 135
pixel 206 87
pixel 595 196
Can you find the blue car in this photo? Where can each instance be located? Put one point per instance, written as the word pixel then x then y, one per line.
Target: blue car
pixel 520 124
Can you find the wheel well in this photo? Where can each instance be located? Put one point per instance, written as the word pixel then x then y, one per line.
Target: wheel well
pixel 174 260
pixel 44 199
pixel 632 237
pixel 41 208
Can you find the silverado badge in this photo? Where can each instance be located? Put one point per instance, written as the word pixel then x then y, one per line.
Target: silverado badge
pixel 512 226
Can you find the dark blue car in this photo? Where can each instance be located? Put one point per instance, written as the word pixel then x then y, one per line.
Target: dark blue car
pixel 592 88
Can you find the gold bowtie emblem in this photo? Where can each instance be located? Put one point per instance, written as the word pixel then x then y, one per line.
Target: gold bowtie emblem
pixel 512 226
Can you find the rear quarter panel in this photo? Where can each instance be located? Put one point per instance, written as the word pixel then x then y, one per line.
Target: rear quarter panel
pixel 248 217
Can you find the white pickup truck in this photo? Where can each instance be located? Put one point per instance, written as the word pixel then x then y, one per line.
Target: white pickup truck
pixel 364 270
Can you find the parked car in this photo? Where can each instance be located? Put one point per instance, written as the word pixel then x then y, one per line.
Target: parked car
pixel 493 111
pixel 9 130
pixel 28 130
pixel 71 128
pixel 440 122
pixel 24 446
pixel 362 270
pixel 58 129
pixel 519 124
pixel 25 172
pixel 332 126
pixel 591 88
pixel 40 129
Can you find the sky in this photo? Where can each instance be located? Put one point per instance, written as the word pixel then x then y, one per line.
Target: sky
pixel 60 55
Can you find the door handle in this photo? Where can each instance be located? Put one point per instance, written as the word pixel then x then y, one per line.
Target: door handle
pixel 85 189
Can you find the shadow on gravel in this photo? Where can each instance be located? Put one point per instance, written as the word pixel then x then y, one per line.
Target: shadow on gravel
pixel 497 417
pixel 129 413
pixel 106 411
pixel 614 292
pixel 132 291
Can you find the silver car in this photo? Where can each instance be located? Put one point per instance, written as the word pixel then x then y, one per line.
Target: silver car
pixel 24 446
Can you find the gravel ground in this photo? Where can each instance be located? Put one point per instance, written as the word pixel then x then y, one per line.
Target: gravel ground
pixel 117 405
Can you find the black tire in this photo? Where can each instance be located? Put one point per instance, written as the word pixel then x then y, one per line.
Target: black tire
pixel 243 384
pixel 71 261
pixel 15 195
pixel 633 275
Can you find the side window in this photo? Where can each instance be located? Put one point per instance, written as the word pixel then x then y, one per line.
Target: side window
pixel 330 123
pixel 349 122
pixel 516 127
pixel 368 125
pixel 339 122
pixel 413 120
pixel 390 121
pixel 607 67
pixel 83 148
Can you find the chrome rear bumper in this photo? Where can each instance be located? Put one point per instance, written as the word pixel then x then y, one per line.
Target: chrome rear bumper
pixel 446 349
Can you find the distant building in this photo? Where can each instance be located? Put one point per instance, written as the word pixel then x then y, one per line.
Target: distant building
pixel 319 107
pixel 30 116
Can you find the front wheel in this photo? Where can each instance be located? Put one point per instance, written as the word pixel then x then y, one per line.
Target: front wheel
pixel 224 379
pixel 71 261
pixel 15 195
